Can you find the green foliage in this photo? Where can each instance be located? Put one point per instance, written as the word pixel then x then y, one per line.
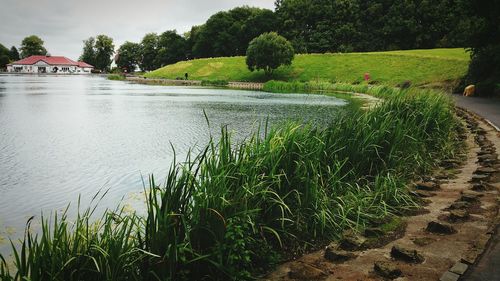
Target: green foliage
pixel 14 54
pixel 89 53
pixel 171 48
pixel 4 56
pixel 484 70
pixel 216 83
pixel 118 77
pixel 225 213
pixel 104 49
pixel 98 51
pixel 32 45
pixel 389 68
pixel 268 52
pixel 228 33
pixel 318 26
pixel 128 56
pixel 148 51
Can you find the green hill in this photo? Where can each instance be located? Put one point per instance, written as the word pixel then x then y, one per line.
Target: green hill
pixel 418 66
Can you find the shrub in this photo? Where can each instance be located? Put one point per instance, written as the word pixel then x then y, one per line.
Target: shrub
pixel 268 52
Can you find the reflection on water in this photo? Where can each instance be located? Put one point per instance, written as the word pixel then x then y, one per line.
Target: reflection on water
pixel 69 135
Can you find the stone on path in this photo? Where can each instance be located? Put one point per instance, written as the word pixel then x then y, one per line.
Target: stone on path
pixel 411 256
pixel 459 205
pixel 458 215
pixel 459 268
pixel 427 186
pixel 422 193
pixel 449 276
pixel 334 254
pixel 440 228
pixel 387 270
pixel 352 241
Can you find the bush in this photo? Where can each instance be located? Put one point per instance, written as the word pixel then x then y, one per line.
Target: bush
pixel 268 52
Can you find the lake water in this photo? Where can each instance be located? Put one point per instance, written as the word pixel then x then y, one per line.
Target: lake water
pixel 65 136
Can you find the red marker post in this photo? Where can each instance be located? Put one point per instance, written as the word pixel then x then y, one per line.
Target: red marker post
pixel 367 76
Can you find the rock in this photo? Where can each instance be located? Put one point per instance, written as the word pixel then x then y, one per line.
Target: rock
pixel 352 241
pixel 334 254
pixel 427 186
pixel 459 268
pixel 479 178
pixel 449 276
pixel 422 193
pixel 373 232
pixel 450 163
pixel 482 186
pixel 485 171
pixel 485 151
pixel 440 228
pixel 387 270
pixel 459 215
pixel 411 256
pixel 469 197
pixel 486 157
pixel 459 205
pixel 304 271
pixel 478 187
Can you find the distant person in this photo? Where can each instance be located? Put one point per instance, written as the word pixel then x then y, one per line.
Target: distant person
pixel 186 75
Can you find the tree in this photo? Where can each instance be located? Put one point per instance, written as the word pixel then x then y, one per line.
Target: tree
pixel 484 40
pixel 171 48
pixel 31 46
pixel 89 53
pixel 104 49
pixel 4 56
pixel 128 56
pixel 14 54
pixel 268 52
pixel 148 51
pixel 228 33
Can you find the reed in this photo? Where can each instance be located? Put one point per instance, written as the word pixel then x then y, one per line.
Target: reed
pixel 233 210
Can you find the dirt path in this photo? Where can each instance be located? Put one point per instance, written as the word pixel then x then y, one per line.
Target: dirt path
pixel 423 254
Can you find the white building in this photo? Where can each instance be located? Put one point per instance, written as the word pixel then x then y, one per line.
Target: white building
pixel 49 64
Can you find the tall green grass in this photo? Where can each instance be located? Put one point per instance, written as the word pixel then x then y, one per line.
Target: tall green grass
pixel 231 211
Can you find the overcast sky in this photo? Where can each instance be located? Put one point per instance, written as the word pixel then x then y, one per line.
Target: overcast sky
pixel 64 24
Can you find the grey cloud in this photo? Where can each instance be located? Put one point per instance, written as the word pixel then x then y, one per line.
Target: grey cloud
pixel 64 24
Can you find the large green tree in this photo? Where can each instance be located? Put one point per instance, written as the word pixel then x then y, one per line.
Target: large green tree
pixel 104 50
pixel 128 56
pixel 171 48
pixel 316 26
pixel 268 52
pixel 32 45
pixel 14 54
pixel 88 54
pixel 4 56
pixel 148 52
pixel 484 40
pixel 228 33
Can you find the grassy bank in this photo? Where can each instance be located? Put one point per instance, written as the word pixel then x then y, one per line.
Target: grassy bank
pixel 233 210
pixel 389 68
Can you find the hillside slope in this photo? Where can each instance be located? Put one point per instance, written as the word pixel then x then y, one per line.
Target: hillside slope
pixel 418 66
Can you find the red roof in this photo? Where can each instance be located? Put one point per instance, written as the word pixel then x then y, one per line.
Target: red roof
pixel 84 64
pixel 49 60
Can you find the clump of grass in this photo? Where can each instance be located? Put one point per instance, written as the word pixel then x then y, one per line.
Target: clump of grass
pixel 214 83
pixel 229 212
pixel 118 77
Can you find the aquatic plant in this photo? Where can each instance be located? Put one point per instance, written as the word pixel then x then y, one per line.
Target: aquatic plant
pixel 230 211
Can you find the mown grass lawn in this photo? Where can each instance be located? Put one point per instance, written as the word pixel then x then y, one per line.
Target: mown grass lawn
pixel 418 66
